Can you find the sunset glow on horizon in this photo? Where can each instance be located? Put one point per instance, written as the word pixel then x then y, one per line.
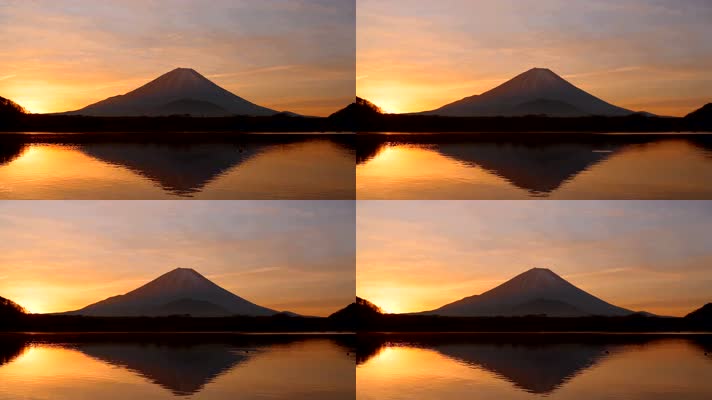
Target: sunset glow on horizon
pixel 64 255
pixel 294 56
pixel 642 55
pixel 641 255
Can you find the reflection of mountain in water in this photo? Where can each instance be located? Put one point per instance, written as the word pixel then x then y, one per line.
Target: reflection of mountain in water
pixel 534 362
pixel 182 169
pixel 11 151
pixel 10 349
pixel 184 370
pixel 538 169
pixel 535 369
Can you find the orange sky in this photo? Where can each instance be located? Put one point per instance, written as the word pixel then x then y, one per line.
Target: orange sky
pixel 63 255
pixel 295 55
pixel 418 55
pixel 642 255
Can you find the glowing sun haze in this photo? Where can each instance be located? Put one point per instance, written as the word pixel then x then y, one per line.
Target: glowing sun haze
pixel 642 255
pixel 63 255
pixel 295 55
pixel 644 55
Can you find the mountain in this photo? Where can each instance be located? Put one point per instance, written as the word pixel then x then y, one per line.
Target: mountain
pixel 358 310
pixel 537 91
pixel 703 313
pixel 181 91
pixel 535 292
pixel 9 308
pixel 700 119
pixel 357 113
pixel 181 291
pixel 9 107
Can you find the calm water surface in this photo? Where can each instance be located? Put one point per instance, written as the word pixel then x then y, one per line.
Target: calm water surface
pixel 311 368
pixel 669 368
pixel 608 167
pixel 311 168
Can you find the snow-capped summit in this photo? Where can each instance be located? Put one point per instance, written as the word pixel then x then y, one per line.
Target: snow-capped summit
pixel 537 91
pixel 180 91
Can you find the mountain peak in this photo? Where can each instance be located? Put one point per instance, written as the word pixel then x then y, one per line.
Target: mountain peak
pixel 181 270
pixel 540 70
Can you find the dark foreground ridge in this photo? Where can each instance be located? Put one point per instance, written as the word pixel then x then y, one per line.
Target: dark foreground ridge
pixel 361 116
pixel 369 119
pixel 697 321
pixel 360 316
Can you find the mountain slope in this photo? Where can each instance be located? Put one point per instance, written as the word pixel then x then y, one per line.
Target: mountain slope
pixel 703 313
pixel 537 291
pixel 181 291
pixel 537 91
pixel 181 91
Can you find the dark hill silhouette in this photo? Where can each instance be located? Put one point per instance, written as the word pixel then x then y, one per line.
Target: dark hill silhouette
pixel 9 308
pixel 537 91
pixel 701 119
pixel 10 114
pixel 181 291
pixel 702 314
pixel 538 291
pixel 360 309
pixel 10 108
pixel 359 112
pixel 181 91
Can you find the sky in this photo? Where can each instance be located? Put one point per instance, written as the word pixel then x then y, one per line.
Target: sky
pixel 644 55
pixel 650 256
pixel 64 255
pixel 295 55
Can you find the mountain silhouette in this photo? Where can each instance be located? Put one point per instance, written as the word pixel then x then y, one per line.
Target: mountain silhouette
pixel 182 369
pixel 181 291
pixel 702 314
pixel 701 119
pixel 181 91
pixel 537 91
pixel 9 308
pixel 538 291
pixel 357 311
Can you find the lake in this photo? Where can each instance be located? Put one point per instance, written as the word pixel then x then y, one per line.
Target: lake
pixel 530 166
pixel 530 366
pixel 94 166
pixel 170 366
